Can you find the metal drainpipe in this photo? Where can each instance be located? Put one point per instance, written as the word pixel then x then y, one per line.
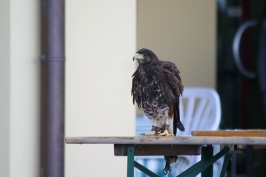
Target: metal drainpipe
pixel 52 87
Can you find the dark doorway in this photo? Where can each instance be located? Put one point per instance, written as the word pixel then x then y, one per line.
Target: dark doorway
pixel 239 30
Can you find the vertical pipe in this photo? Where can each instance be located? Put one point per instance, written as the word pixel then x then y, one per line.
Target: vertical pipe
pixel 52 87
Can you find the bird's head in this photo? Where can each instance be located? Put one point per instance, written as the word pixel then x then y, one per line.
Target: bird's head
pixel 145 56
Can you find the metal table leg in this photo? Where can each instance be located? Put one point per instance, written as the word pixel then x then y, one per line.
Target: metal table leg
pixel 249 163
pixel 145 170
pixel 225 164
pixel 207 153
pixel 204 164
pixel 130 161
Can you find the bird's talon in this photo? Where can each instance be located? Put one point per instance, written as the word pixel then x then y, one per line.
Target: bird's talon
pixel 170 135
pixel 165 133
pixel 149 135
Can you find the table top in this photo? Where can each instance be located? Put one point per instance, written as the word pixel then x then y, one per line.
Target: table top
pixel 175 145
pixel 177 140
pixel 224 137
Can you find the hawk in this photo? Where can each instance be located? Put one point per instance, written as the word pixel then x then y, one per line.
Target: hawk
pixel 156 88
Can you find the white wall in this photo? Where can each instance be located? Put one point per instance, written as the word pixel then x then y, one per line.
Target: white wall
pixel 100 43
pixel 5 87
pixel 19 88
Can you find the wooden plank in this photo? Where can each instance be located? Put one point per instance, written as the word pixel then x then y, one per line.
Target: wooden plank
pixel 153 150
pixel 196 140
pixel 231 133
pixel 243 147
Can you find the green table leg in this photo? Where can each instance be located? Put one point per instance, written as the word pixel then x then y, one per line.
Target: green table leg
pixel 203 164
pixel 145 170
pixel 193 169
pixel 207 153
pixel 225 164
pixel 130 161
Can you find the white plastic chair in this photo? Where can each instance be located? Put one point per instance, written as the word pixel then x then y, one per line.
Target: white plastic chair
pixel 200 109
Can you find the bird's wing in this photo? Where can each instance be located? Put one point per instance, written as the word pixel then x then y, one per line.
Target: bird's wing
pixel 171 67
pixel 172 77
pixel 171 74
pixel 135 88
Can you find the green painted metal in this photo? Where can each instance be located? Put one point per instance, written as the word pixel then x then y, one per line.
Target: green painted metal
pixel 225 164
pixel 130 161
pixel 192 168
pixel 207 153
pixel 211 161
pixel 145 170
pixel 203 164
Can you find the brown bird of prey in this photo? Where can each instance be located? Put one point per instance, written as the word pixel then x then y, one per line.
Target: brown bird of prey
pixel 156 88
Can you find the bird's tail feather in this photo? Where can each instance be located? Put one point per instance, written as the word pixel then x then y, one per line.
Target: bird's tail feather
pixel 177 123
pixel 180 126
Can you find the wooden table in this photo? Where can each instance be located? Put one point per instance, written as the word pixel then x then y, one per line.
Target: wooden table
pixel 200 143
pixel 239 147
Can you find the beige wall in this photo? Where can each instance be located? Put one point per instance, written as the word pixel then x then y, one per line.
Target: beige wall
pixel 100 43
pixel 19 103
pixel 182 31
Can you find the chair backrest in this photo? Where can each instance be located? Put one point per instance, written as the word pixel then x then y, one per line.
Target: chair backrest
pixel 200 109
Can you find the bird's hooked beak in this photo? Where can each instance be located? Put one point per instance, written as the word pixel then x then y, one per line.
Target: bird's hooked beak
pixel 138 56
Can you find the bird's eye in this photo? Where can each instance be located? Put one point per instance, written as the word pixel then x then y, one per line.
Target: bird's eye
pixel 145 55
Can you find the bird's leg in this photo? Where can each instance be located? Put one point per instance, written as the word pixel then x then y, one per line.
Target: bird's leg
pixel 166 129
pixel 154 129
